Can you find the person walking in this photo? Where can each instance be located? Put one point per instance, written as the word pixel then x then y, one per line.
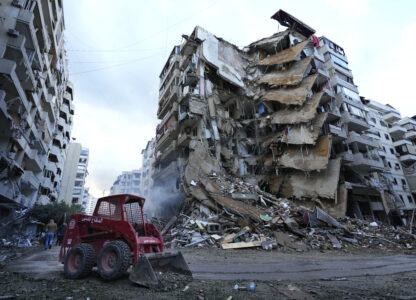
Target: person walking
pixel 50 230
pixel 60 234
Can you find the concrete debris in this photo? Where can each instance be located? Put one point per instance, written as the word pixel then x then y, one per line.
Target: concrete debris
pixel 279 224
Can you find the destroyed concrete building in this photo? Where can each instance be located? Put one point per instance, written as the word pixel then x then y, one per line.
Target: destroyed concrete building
pixel 36 107
pixel 282 115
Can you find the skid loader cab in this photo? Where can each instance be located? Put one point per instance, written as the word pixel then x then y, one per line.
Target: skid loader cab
pixel 115 237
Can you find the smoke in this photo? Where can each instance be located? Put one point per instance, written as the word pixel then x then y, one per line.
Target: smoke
pixel 166 198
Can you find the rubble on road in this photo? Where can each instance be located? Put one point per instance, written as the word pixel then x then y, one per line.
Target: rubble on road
pixel 230 213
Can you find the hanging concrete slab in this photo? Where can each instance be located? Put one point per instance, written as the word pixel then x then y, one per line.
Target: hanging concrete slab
pixel 294 116
pixel 291 95
pixel 284 56
pixel 291 76
pixel 317 185
pixel 307 159
pixel 298 134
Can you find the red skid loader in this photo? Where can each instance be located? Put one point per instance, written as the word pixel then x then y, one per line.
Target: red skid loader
pixel 115 237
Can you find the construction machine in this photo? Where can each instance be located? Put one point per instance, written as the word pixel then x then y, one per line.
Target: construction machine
pixel 114 238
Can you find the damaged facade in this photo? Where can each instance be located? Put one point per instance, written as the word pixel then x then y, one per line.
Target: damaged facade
pixel 36 107
pixel 282 114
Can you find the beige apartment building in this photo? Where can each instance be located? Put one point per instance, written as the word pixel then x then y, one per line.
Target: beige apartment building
pixel 73 189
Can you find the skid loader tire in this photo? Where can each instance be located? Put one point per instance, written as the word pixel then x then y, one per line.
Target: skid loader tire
pixel 113 260
pixel 79 261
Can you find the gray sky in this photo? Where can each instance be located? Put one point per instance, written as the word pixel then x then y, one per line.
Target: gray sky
pixel 116 50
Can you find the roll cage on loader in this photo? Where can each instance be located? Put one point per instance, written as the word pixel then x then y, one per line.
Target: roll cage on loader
pixel 115 237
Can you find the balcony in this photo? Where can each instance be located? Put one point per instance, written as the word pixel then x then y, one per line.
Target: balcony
pixel 397 131
pixel 55 154
pixel 29 182
pixel 354 123
pixel 367 162
pixel 347 156
pixel 8 69
pixel 408 158
pixel 51 166
pixel 402 143
pixel 392 117
pixel 337 81
pixel 167 137
pixel 330 64
pixel 410 135
pixel 338 134
pixel 169 98
pixel 344 98
pixel 163 173
pixel 34 161
pixel 362 141
pixel 333 114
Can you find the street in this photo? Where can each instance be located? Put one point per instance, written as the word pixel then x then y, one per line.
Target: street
pixel 285 275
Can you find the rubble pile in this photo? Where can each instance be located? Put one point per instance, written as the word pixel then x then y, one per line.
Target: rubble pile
pixel 241 215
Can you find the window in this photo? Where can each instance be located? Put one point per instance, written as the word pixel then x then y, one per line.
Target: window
pixel 384 124
pixel 84 152
pixel 372 121
pixel 76 192
pixel 387 136
pixel 389 164
pixel 401 197
pixel 392 151
pixel 80 175
pixel 403 182
pixel 340 62
pixel 397 167
pixel 75 200
pixel 410 199
pixel 395 181
pixel 78 183
pixel 384 148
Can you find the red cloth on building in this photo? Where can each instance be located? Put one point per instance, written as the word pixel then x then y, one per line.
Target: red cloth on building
pixel 315 41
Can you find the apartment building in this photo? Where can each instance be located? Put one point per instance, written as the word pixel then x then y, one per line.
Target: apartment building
pixel 36 107
pixel 74 176
pixel 283 114
pixel 148 158
pixel 128 182
pixel 408 160
pixel 383 120
pixel 91 202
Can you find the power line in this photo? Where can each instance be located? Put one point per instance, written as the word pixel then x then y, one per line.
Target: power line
pixel 114 66
pixel 130 50
pixel 146 38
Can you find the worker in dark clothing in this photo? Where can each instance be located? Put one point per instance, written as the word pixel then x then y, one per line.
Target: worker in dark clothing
pixel 60 234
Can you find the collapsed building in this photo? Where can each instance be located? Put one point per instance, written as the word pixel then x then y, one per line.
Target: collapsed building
pixel 283 115
pixel 36 108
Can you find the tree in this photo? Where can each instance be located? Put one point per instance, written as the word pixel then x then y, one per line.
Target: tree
pixel 54 211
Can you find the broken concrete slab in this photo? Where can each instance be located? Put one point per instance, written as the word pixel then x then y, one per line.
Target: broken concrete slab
pixel 284 56
pixel 305 159
pixel 293 116
pixel 292 75
pixel 291 95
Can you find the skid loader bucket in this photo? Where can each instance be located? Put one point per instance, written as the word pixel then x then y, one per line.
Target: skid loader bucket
pixel 144 273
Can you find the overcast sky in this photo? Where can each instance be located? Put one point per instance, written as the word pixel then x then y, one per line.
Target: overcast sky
pixel 116 50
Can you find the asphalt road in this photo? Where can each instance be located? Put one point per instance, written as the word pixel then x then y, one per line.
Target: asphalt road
pixel 44 265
